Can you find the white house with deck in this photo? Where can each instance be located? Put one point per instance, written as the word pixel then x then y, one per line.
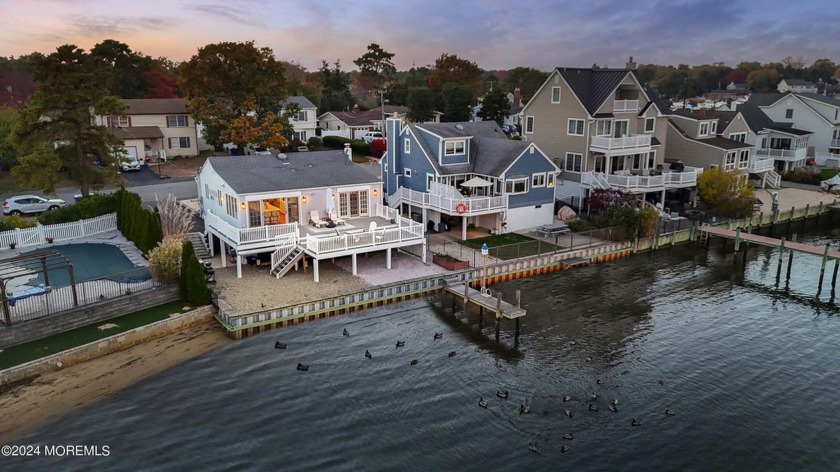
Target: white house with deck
pixel 315 205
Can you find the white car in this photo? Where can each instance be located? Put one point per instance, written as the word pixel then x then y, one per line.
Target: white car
pixel 372 135
pixel 30 204
pixel 130 164
pixel 257 150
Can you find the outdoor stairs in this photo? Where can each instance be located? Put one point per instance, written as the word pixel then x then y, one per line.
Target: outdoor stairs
pixel 284 258
pixel 772 179
pixel 199 246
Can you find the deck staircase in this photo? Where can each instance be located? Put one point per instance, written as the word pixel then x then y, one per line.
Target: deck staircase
pixel 284 258
pixel 199 243
pixel 772 179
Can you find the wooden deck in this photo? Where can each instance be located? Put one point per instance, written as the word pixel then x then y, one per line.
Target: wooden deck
pixel 772 242
pixel 493 304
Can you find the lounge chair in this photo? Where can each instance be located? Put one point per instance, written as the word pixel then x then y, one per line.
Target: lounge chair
pixel 335 219
pixel 315 219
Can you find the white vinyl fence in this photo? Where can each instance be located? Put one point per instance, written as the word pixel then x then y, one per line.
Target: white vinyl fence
pixel 40 234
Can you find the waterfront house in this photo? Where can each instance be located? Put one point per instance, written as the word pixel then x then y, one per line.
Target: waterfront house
pixel 316 205
pixel 467 174
pixel 606 129
pixel 796 86
pixel 152 127
pixel 305 121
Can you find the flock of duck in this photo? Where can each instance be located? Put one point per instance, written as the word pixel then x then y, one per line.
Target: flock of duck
pixel 368 355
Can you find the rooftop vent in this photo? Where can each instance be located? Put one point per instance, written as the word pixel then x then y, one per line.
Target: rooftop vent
pixel 460 127
pixel 282 156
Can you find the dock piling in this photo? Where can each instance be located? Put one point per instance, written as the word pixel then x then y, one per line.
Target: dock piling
pixel 781 256
pixel 822 268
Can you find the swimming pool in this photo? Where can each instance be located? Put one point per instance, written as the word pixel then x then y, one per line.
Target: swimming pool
pixel 90 261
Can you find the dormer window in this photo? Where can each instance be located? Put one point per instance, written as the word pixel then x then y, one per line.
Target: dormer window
pixel 454 148
pixel 714 127
pixel 704 128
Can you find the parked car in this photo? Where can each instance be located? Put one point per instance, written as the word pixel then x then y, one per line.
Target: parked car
pixel 257 150
pixel 509 129
pixel 128 164
pixel 371 135
pixel 27 204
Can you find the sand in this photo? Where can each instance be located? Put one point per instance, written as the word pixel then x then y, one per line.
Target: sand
pixel 31 403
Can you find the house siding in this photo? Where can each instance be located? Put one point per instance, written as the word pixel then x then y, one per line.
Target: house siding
pixel 551 120
pixel 416 161
pixel 804 118
pixel 529 164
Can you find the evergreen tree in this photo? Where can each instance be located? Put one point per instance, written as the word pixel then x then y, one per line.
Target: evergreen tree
pixel 421 102
pixel 186 250
pixel 197 292
pixel 495 106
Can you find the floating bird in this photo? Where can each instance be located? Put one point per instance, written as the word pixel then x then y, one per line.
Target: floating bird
pixel 452 354
pixel 302 366
pixel 635 422
pixel 613 408
pixel 661 382
pixel 524 409
pixel 502 394
pixel 614 402
pixel 567 398
pixel 598 381
pixel 569 413
pixel 564 448
pixel 588 359
pixel 414 361
pixel 593 407
pixel 533 448
pixel 400 343
pixel 572 343
pixel 279 345
pixel 568 436
pixel 670 412
pixel 346 333
pixel 368 354
pixel 482 403
pixel 438 335
pixel 594 396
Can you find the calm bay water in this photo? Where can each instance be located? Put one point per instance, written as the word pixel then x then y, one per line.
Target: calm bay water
pixel 750 371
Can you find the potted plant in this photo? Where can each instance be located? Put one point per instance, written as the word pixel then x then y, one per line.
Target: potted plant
pixel 49 239
pixel 449 263
pixel 12 245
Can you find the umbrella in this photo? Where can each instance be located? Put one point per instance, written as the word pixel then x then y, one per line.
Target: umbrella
pixel 330 201
pixel 476 182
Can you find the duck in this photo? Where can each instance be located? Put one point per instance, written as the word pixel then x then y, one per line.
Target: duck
pixel 613 408
pixel 533 448
pixel 346 333
pixel 669 412
pixel 368 354
pixel 594 396
pixel 502 394
pixel 593 407
pixel 635 422
pixel 572 343
pixel 451 353
pixel 588 359
pixel 279 345
pixel 302 366
pixel 661 382
pixel 400 343
pixel 564 448
pixel 569 413
pixel 599 381
pixel 414 362
pixel 614 402
pixel 524 409
pixel 438 335
pixel 482 402
pixel 568 436
pixel 567 398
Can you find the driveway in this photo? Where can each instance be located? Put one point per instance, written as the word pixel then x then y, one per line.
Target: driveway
pixel 145 176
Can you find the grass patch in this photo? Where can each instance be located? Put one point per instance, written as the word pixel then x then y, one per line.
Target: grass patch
pixel 826 174
pixel 39 348
pixel 511 245
pixel 497 240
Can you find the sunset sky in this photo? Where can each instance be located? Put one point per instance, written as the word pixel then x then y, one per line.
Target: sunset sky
pixel 495 34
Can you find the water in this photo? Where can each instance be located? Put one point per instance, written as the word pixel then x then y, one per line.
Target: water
pixel 748 368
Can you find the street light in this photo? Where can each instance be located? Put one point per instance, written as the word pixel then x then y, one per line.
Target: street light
pixel 484 251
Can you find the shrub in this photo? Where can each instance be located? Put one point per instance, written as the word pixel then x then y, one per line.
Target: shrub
pixel 186 250
pixel 197 291
pixel 315 143
pixel 16 221
pixel 335 142
pixel 87 207
pixel 576 224
pixel 137 224
pixel 165 260
pixel 360 147
pixel 802 176
pixel 725 194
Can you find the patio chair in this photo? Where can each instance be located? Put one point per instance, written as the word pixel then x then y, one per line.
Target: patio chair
pixel 334 218
pixel 315 219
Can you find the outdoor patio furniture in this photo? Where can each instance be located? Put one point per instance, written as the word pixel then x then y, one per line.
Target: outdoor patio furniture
pixel 335 219
pixel 553 229
pixel 315 219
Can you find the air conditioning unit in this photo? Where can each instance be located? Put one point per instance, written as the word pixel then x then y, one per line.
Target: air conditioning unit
pixel 713 166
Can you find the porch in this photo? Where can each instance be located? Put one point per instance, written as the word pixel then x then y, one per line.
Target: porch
pixel 642 181
pixel 455 203
pixel 612 146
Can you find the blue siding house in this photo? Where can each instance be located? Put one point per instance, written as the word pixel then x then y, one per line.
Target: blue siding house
pixel 469 174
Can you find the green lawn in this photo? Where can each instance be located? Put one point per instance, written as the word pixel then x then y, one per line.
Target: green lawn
pixel 826 174
pixel 497 240
pixel 39 348
pixel 511 245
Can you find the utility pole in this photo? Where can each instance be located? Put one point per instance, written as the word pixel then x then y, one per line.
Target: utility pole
pixel 685 92
pixel 382 102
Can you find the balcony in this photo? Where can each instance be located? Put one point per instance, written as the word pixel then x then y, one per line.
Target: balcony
pixel 759 166
pixel 624 106
pixel 834 143
pixel 259 237
pixel 463 206
pixel 641 183
pixel 782 154
pixel 634 144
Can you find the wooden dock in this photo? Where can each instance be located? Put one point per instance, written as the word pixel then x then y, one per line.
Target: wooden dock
pixel 493 304
pixel 742 236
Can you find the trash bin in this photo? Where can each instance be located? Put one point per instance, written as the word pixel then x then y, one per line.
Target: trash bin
pixel 233 151
pixel 443 227
pixel 251 260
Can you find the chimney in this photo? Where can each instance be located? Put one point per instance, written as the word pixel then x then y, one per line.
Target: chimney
pixel 630 64
pixel 349 152
pixel 517 97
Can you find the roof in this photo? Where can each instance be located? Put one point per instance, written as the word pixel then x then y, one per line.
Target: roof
pixel 302 102
pixel 788 129
pixel 155 106
pixel 766 99
pixel 799 82
pixel 821 98
pixel 723 117
pixel 594 86
pixel 391 109
pixel 756 119
pixel 491 152
pixel 137 132
pixel 356 118
pixel 714 141
pixel 300 170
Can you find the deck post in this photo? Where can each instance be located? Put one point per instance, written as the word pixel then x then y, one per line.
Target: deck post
pixel 224 252
pixel 353 263
pixel 210 243
pixel 737 238
pixel 790 265
pixel 315 270
pixel 238 266
pixel 388 258
pixel 834 276
pixel 822 268
pixel 781 256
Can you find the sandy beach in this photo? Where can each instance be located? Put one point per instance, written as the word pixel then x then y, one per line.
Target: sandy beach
pixel 28 404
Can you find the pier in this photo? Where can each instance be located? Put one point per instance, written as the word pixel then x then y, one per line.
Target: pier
pixel 485 301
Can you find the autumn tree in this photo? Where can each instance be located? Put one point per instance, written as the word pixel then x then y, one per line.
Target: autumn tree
pixel 527 79
pixel 335 88
pixel 764 80
pixel 8 121
pixel 126 68
pixel 495 106
pixel 725 193
pixel 376 64
pixel 451 69
pixel 235 90
pixel 73 88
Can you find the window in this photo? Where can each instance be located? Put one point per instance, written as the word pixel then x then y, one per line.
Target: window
pixel 300 136
pixel 789 113
pixel 407 172
pixel 301 116
pixel 516 186
pixel 704 128
pixel 119 121
pixel 740 137
pixel 407 146
pixel 555 94
pixel 603 128
pixel 529 124
pixel 538 180
pixel 176 121
pixel 219 197
pixel 637 161
pixel 207 191
pixel 650 125
pixel 573 162
pixel 230 205
pixel 744 159
pixel 452 148
pixel 714 127
pixel 176 143
pixel 549 182
pixel 730 161
pixel 575 127
pixel 651 160
pixel 429 179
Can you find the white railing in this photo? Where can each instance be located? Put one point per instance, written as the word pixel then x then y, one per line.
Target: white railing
pixel 281 253
pixel 403 231
pixel 276 234
pixel 783 154
pixel 40 234
pixel 461 206
pixel 614 144
pixel 772 179
pixel 600 180
pixel 636 181
pixel 761 165
pixel 827 159
pixel 625 105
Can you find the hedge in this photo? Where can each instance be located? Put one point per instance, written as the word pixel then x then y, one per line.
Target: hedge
pixel 86 208
pixel 137 224
pixel 197 292
pixel 338 142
